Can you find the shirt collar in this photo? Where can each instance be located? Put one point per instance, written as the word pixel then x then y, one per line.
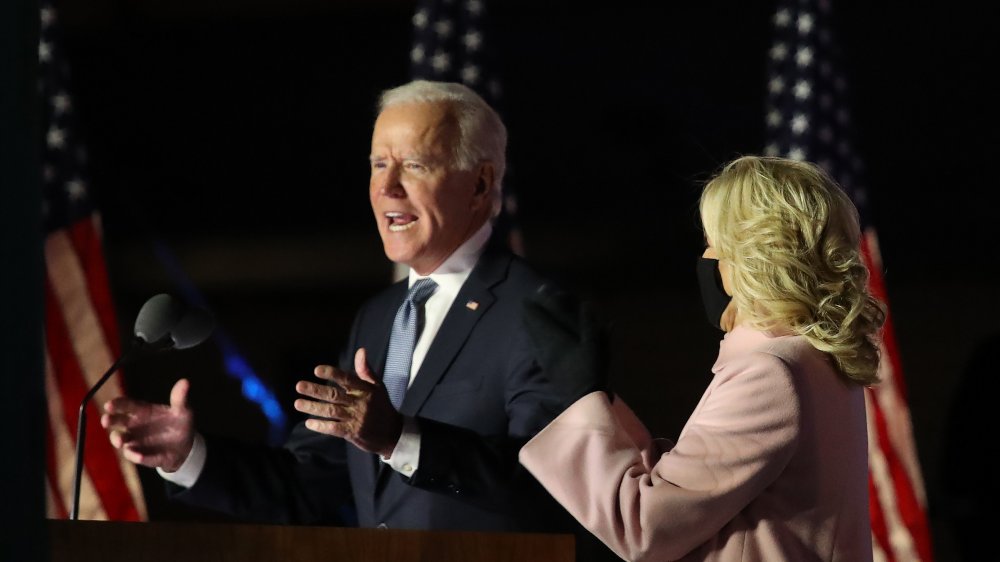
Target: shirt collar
pixel 453 272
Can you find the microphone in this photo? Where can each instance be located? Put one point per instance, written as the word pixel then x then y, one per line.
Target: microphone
pixel 163 323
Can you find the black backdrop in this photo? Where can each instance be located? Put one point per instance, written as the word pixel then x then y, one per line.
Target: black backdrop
pixel 237 133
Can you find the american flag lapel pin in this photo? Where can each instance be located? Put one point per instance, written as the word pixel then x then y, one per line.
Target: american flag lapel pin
pixel 472 305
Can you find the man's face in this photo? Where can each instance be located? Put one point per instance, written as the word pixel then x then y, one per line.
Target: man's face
pixel 424 208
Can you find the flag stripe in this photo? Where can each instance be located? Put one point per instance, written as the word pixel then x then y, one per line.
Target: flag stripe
pixel 879 531
pixel 895 544
pixel 69 381
pixel 100 458
pixel 911 502
pixel 63 457
pixel 55 507
pixel 84 235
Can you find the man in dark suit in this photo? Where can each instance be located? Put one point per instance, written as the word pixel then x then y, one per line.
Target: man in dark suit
pixel 421 423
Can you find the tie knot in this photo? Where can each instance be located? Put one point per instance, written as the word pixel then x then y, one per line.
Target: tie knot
pixel 421 290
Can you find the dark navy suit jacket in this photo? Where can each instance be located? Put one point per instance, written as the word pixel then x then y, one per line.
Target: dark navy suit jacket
pixel 478 396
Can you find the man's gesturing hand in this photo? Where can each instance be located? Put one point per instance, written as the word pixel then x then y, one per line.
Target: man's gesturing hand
pixel 156 435
pixel 356 408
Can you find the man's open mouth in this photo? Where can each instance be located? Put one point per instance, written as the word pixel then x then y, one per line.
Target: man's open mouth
pixel 399 222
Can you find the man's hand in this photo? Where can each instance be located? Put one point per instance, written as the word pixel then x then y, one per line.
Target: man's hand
pixel 571 343
pixel 357 408
pixel 155 435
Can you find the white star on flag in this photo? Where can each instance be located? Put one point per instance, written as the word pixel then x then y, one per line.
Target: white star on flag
pixel 802 90
pixel 420 19
pixel 441 61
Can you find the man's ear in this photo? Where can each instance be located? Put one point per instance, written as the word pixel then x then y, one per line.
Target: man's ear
pixel 485 182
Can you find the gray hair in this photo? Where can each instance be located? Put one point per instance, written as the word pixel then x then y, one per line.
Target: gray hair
pixel 482 134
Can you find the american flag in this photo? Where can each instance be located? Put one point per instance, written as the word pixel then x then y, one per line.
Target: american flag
pixel 808 118
pixel 450 44
pixel 81 335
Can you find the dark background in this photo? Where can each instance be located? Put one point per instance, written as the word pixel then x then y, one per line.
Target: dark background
pixel 236 134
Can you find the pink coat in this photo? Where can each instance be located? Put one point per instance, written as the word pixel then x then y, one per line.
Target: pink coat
pixel 772 465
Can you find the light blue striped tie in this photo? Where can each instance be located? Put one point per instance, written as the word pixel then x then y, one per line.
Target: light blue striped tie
pixel 405 330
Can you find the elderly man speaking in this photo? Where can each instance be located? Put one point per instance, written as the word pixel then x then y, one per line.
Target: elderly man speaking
pixel 437 386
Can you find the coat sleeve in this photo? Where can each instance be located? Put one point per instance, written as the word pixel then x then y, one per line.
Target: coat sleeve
pixel 647 505
pixel 484 469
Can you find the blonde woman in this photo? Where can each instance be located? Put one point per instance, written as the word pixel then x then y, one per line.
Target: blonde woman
pixel 772 464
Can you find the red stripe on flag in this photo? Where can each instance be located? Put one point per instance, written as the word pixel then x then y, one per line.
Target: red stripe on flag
pixel 909 507
pixel 101 459
pixel 84 235
pixel 51 470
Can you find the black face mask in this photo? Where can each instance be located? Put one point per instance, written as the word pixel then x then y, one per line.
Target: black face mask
pixel 713 295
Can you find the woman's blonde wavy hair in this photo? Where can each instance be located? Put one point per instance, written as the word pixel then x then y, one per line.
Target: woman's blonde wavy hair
pixel 792 239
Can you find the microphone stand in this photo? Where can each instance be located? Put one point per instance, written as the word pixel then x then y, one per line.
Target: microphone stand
pixel 81 425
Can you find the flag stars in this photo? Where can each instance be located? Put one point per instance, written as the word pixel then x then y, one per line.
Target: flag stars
pixel 443 28
pixel 783 18
pixel 44 52
pixel 61 102
pixel 76 189
pixel 475 7
pixel 48 173
pixel 417 54
pixel 470 74
pixel 802 90
pixel 826 135
pixel 774 118
pixel 472 41
pixel 797 153
pixel 826 101
pixel 800 124
pixel 441 62
pixel 805 23
pixel 420 19
pixel 804 56
pixel 771 150
pixel 776 85
pixel 48 15
pixel 55 138
pixel 779 51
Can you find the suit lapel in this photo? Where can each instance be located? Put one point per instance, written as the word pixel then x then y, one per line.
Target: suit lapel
pixel 458 324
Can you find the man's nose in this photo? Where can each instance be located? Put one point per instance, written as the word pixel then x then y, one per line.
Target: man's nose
pixel 391 184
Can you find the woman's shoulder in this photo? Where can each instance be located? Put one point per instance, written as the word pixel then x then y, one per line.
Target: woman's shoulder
pixel 745 346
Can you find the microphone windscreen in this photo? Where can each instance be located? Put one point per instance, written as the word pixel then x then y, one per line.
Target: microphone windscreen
pixel 194 327
pixel 157 317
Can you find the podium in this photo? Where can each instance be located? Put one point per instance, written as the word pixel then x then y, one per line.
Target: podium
pixel 112 541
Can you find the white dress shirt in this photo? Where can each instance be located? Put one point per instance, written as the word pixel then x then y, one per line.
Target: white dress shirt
pixel 449 276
